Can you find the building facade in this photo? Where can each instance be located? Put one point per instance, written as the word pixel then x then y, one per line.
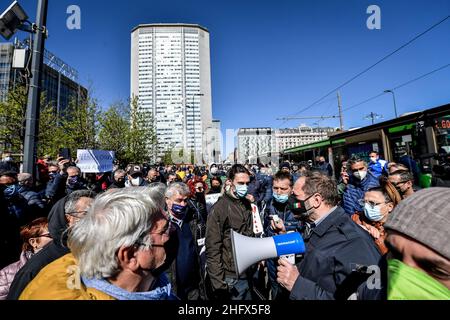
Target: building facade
pixel 293 137
pixel 171 79
pixel 59 80
pixel 214 142
pixel 255 145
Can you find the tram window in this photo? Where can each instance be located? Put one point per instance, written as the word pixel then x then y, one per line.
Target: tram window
pixel 443 135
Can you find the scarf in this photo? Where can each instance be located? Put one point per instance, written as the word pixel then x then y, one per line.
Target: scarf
pixel 163 290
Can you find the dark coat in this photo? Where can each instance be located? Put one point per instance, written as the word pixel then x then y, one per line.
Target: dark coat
pixel 56 186
pixel 228 213
pixel 335 252
pixel 56 249
pixel 187 272
pixel 10 242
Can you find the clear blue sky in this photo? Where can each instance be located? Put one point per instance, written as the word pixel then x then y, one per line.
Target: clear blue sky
pixel 271 58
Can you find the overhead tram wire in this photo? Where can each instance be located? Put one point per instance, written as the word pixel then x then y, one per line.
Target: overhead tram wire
pixel 397 87
pixel 373 65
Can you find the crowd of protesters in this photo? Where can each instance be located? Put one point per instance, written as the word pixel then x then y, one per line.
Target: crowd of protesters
pixel 150 232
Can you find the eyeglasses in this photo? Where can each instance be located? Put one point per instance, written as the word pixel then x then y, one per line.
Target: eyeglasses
pixel 372 204
pixel 398 183
pixel 199 189
pixel 77 214
pixel 46 235
pixel 170 227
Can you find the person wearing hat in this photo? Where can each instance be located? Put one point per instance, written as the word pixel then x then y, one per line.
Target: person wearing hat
pixel 418 237
pixel 135 177
pixel 285 166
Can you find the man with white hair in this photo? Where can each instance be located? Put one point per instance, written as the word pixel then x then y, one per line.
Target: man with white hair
pixel 118 251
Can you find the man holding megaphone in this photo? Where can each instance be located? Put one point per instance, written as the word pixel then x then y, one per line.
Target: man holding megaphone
pixel 336 248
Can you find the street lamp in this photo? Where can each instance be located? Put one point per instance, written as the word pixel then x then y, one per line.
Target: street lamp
pixel 11 20
pixel 393 97
pixel 193 116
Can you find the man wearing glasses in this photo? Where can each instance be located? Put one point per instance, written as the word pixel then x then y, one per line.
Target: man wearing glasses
pixel 403 181
pixel 119 251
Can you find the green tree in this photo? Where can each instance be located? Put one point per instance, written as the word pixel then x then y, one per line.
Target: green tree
pixel 13 118
pixel 114 130
pixel 141 139
pixel 79 123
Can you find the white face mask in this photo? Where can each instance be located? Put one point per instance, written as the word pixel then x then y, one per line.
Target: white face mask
pixel 373 160
pixel 214 170
pixel 136 181
pixel 360 174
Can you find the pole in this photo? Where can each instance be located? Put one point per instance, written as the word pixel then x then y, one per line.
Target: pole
pixel 193 127
pixel 33 105
pixel 185 128
pixel 341 117
pixel 372 116
pixel 395 104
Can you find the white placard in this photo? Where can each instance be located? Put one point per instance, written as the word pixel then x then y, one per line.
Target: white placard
pixel 211 199
pixel 95 161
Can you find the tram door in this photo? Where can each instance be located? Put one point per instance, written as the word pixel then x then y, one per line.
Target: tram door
pixel 401 145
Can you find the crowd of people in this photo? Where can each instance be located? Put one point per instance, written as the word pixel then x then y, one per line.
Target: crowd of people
pixel 145 232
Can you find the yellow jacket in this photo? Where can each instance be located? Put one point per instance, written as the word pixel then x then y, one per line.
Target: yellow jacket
pixel 60 280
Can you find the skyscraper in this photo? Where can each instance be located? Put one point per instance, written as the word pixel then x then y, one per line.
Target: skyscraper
pixel 171 78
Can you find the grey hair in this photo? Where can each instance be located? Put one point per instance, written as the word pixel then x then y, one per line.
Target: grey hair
pixel 119 171
pixel 115 219
pixel 72 199
pixel 177 188
pixel 354 159
pixel 158 189
pixel 23 177
pixel 74 168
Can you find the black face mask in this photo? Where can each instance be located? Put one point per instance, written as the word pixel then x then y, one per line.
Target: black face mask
pixel 200 196
pixel 298 208
pixel 120 183
pixel 171 248
pixel 215 189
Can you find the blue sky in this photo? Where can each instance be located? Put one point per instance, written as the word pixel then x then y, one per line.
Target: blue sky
pixel 271 58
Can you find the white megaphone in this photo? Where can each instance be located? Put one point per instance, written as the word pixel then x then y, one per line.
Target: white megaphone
pixel 247 250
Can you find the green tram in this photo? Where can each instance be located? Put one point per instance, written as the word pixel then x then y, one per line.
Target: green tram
pixel 423 135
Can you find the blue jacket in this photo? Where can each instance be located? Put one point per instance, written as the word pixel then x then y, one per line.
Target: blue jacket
pixel 283 212
pixel 412 166
pixel 377 168
pixel 326 168
pixel 266 182
pixel 33 198
pixel 56 187
pixel 335 253
pixel 355 191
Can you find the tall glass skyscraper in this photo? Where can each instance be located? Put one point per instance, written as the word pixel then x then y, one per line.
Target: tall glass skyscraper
pixel 171 78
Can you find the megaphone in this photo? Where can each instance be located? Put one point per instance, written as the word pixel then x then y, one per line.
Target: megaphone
pixel 247 250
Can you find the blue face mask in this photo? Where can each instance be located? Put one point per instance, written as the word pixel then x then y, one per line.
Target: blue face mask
pixel 373 214
pixel 11 191
pixel 52 175
pixel 241 190
pixel 280 198
pixel 72 180
pixel 178 210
